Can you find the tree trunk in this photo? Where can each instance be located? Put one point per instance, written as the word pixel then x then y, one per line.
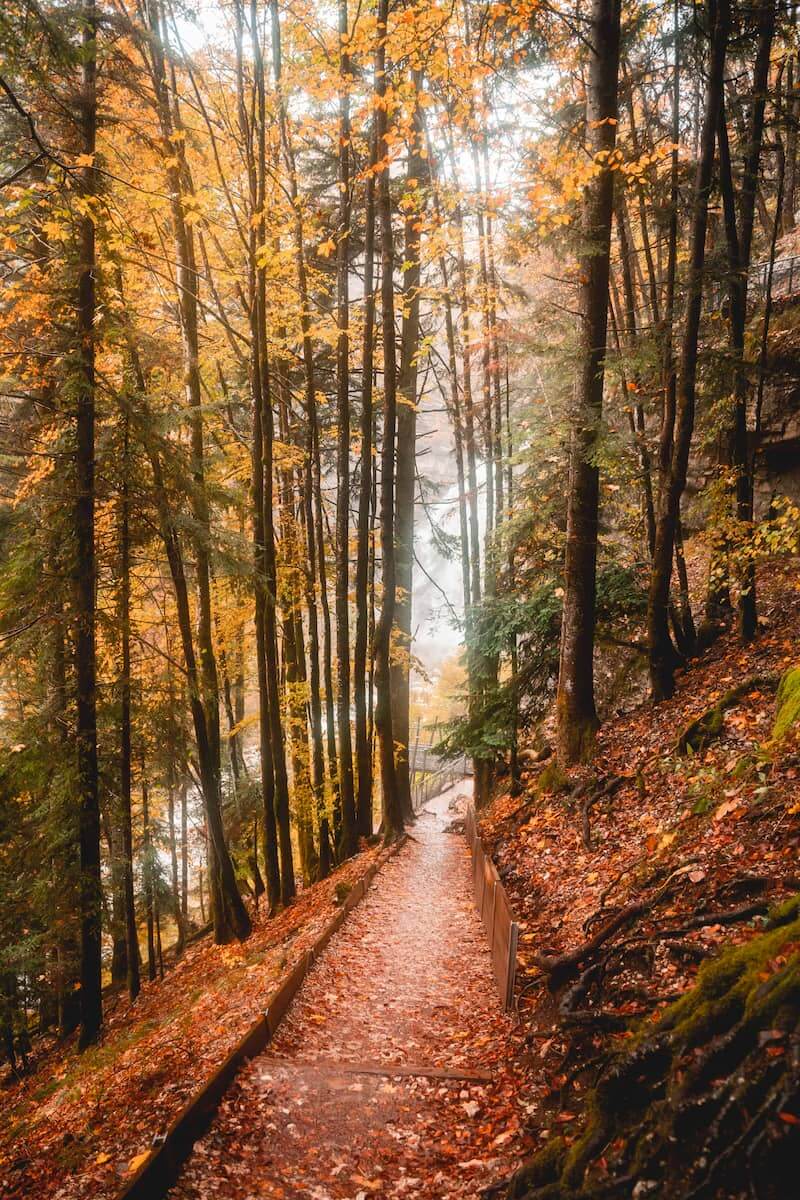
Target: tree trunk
pixel 392 810
pixel 360 673
pixel 267 430
pixel 315 527
pixel 271 861
pixel 577 717
pixel 147 876
pixel 787 209
pixel 637 420
pixel 229 913
pixel 739 242
pixel 184 855
pixel 126 830
pixel 406 458
pixel 85 568
pixel 660 649
pixel 349 834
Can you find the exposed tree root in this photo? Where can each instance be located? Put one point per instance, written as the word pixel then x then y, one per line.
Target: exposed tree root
pixel 707 727
pixel 703 1104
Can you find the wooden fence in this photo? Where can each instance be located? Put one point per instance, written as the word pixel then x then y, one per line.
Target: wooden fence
pixel 492 903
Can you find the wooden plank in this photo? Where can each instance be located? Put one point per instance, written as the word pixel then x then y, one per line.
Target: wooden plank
pixel 495 911
pixel 512 965
pixel 286 993
pixel 386 1070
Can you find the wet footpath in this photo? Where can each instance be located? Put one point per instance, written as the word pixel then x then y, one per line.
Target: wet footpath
pixel 391 1075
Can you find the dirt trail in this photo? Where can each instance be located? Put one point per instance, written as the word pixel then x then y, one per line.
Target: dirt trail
pixel 406 982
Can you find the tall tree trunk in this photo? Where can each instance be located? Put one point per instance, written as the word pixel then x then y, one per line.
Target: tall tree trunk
pixel 177 911
pixel 184 854
pixel 267 429
pixel 247 133
pixel 85 568
pixel 739 241
pixel 660 649
pixel 479 765
pixel 229 913
pixel 406 458
pixel 315 527
pixel 349 835
pixel 360 673
pixel 392 810
pixel 637 420
pixel 126 829
pixel 792 102
pixel 577 717
pixel 147 876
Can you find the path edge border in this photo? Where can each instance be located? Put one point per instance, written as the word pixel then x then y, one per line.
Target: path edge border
pixel 507 940
pixel 156 1176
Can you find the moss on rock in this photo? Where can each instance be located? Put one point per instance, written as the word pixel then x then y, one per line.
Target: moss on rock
pixel 787 704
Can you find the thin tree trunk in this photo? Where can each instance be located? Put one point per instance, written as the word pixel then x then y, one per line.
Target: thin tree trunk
pixel 792 104
pixel 126 831
pixel 660 649
pixel 85 567
pixel 739 242
pixel 406 460
pixel 147 874
pixel 392 811
pixel 267 430
pixel 349 835
pixel 271 861
pixel 184 855
pixel 229 913
pixel 315 468
pixel 362 593
pixel 637 419
pixel 173 858
pixel 577 716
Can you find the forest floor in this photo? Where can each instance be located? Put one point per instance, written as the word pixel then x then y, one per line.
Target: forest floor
pixel 679 857
pixel 78 1125
pixel 685 856
pixel 406 983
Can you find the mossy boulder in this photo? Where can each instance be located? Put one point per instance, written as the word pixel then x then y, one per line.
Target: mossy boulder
pixel 703 1101
pixel 787 704
pixel 552 780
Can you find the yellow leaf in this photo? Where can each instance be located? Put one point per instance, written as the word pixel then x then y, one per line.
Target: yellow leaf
pixel 138 1161
pixel 102 1158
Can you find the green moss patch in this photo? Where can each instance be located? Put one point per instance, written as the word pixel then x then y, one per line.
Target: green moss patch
pixel 705 1097
pixel 787 704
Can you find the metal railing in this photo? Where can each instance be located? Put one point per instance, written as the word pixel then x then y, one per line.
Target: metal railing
pixel 785 277
pixel 495 911
pixel 431 775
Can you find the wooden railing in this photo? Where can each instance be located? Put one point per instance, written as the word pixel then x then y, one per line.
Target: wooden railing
pixel 492 903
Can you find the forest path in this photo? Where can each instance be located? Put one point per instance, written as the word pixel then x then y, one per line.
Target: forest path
pixel 406 982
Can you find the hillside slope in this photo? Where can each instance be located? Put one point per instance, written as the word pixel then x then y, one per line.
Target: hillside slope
pixel 652 876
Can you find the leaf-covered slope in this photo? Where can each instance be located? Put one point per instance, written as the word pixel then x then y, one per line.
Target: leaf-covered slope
pixel 645 885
